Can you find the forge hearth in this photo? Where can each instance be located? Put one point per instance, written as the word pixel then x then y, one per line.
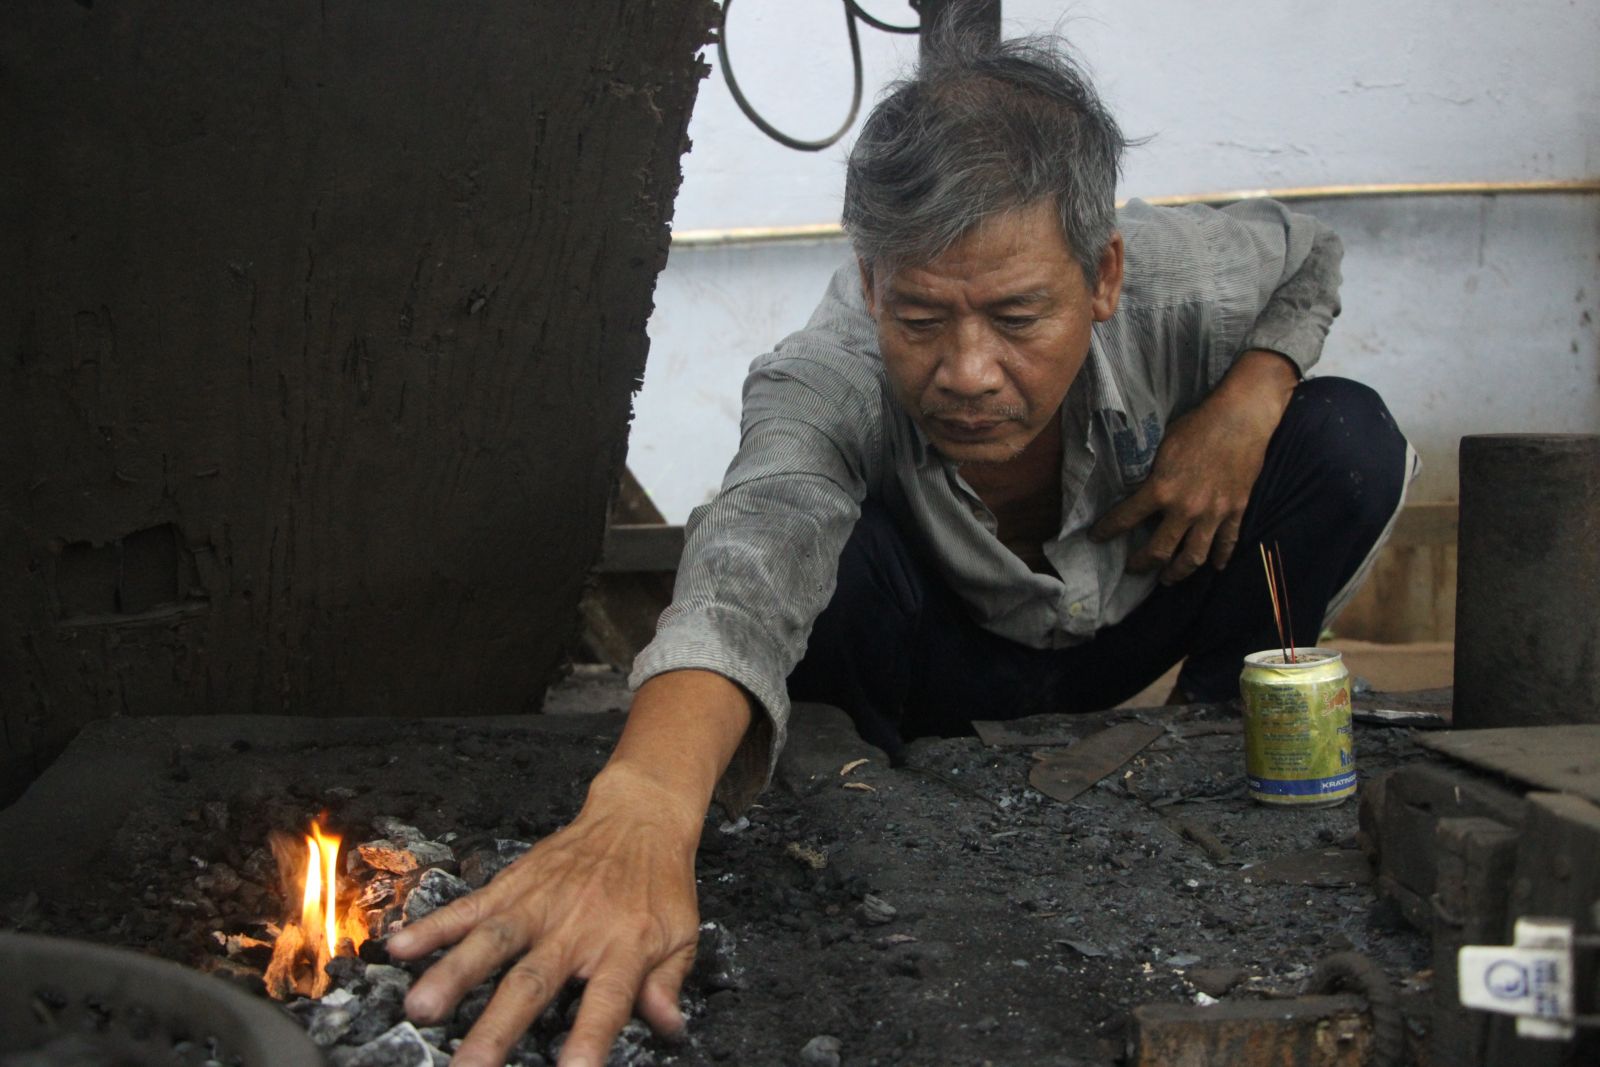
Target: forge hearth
pixel 942 912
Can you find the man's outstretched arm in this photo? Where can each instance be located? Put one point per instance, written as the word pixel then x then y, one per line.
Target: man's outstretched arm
pixel 609 899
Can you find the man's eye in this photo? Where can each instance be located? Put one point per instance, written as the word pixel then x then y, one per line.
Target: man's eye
pixel 1016 322
pixel 919 325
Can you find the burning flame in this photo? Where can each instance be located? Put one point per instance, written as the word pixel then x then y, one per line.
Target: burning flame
pixel 301 953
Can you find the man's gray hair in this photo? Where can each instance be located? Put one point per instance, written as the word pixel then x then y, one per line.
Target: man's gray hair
pixel 981 129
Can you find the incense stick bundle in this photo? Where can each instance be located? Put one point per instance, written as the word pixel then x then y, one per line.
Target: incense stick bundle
pixel 1278 590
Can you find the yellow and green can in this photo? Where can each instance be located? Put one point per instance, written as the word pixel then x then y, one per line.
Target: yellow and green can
pixel 1298 740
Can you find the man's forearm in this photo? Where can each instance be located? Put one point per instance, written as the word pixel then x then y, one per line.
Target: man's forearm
pixel 683 728
pixel 1261 382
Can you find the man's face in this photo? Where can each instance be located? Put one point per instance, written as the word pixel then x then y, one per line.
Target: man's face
pixel 982 343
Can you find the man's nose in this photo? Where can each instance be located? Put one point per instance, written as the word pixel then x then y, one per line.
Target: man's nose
pixel 970 365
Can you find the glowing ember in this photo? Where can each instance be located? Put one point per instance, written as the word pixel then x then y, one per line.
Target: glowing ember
pixel 302 951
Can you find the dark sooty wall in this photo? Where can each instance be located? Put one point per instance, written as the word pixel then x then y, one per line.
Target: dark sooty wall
pixel 318 335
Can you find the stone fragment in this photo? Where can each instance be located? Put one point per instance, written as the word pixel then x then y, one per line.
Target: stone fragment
pixel 215 814
pixel 1083 948
pixel 331 1017
pixel 716 961
pixel 473 1004
pixel 1215 981
pixel 377 974
pixel 218 881
pixel 630 1049
pixel 403 857
pixel 400 1046
pixel 480 866
pixel 344 970
pixel 245 948
pixel 875 911
pixel 821 1051
pixel 377 892
pixel 373 950
pixel 395 830
pixel 436 889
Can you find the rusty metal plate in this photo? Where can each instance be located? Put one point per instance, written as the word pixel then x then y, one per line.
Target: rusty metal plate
pixel 1329 867
pixel 1564 759
pixel 1035 731
pixel 1063 775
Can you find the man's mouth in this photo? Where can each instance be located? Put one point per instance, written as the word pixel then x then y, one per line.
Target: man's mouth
pixel 956 429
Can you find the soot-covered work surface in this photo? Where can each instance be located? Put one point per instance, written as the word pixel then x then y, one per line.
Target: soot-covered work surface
pixel 942 912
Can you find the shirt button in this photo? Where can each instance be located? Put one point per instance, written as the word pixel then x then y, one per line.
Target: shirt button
pixel 1075 608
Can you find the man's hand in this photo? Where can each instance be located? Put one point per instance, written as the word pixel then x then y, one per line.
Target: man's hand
pixel 609 899
pixel 1204 471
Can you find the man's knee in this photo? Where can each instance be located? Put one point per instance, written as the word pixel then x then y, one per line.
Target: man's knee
pixel 1357 451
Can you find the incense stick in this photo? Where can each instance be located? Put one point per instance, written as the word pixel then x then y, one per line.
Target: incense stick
pixel 1272 591
pixel 1283 590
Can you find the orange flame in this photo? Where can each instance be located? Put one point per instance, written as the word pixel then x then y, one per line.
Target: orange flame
pixel 302 951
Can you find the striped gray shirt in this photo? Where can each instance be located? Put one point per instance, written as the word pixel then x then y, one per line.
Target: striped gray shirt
pixel 821 431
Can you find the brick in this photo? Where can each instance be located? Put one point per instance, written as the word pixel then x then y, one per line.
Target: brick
pixel 1476 859
pixel 1323 1031
pixel 1413 800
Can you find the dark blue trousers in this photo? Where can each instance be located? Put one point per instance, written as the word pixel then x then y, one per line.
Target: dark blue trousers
pixel 898 651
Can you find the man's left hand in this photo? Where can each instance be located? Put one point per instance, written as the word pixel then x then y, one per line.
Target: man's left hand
pixel 1204 471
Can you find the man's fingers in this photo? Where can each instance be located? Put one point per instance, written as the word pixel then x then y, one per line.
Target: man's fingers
pixel 1194 551
pixel 522 993
pixel 1126 515
pixel 658 1000
pixel 1161 547
pixel 492 942
pixel 607 1005
pixel 445 926
pixel 1227 540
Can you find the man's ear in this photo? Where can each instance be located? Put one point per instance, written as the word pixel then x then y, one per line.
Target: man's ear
pixel 1108 284
pixel 867 289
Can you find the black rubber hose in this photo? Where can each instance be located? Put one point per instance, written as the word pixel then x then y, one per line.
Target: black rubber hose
pixel 1351 972
pixel 877 23
pixel 850 16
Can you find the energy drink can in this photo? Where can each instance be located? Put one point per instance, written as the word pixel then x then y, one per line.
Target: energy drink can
pixel 1298 740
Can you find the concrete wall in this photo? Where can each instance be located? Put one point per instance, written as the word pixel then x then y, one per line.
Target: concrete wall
pixel 1469 314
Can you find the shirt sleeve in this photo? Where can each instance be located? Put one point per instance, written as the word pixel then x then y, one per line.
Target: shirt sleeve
pixel 1277 278
pixel 1203 285
pixel 760 561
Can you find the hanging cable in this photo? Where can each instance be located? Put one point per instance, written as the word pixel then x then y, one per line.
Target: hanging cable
pixel 855 8
pixel 853 11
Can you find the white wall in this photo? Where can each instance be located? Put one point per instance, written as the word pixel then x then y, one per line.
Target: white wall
pixel 1468 314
